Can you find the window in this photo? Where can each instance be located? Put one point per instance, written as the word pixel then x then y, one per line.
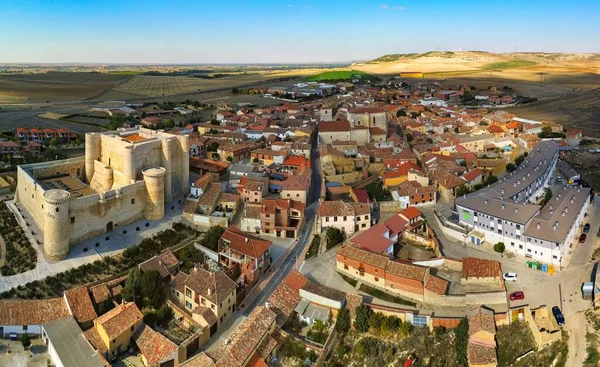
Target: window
pixel 345 267
pixel 554 257
pixel 131 328
pixel 188 305
pixel 188 293
pixel 376 279
pixel 24 327
pixel 419 320
pixel 512 244
pixel 518 226
pixel 529 250
pixel 363 225
pixel 520 247
pixel 335 219
pixel 500 231
pixel 345 218
pixel 132 201
pixel 326 219
pixel 72 220
pixel 212 307
pixel 202 301
pixel 57 210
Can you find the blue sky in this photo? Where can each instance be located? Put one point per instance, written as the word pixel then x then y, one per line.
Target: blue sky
pixel 262 31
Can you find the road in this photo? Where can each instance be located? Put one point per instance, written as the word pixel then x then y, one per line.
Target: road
pixel 305 232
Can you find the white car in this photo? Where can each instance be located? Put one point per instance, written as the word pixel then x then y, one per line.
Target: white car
pixel 510 277
pixel 559 179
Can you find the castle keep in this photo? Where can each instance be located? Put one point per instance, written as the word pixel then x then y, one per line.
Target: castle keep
pixel 126 175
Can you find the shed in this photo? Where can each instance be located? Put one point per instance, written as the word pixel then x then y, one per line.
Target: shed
pixel 588 290
pixel 310 313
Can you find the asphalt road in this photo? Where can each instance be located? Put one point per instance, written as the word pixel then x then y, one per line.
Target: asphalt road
pixel 310 213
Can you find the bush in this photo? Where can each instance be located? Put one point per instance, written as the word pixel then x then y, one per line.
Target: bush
pixel 499 247
pixel 334 237
pixel 514 340
pixel 313 249
pixel 363 314
pixel 510 167
pixel 461 333
pixel 211 238
pixel 342 324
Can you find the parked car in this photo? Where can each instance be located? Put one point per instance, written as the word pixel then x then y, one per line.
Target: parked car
pixel 516 296
pixel 560 318
pixel 559 179
pixel 586 228
pixel 510 277
pixel 582 238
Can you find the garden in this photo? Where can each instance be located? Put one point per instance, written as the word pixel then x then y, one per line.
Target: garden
pixel 20 255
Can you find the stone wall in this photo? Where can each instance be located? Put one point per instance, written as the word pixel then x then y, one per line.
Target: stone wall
pixel 390 206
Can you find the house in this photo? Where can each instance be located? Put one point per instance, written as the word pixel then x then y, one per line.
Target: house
pixel 376 239
pixel 330 131
pixel 267 157
pixel 309 313
pixel 250 252
pixel 67 346
pixel 529 141
pixel 155 349
pixel 27 316
pixel 80 305
pixel 151 122
pixel 202 166
pixel 253 190
pixel 113 332
pixel 166 264
pixel 296 186
pixel 347 217
pixel 481 347
pixel 411 193
pixel 209 296
pixel 296 163
pixel 198 186
pixel 251 218
pixel 473 177
pixel 286 296
pixel 281 217
pixel 447 183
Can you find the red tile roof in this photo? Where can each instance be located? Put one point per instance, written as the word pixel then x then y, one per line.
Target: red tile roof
pixel 396 224
pixel 80 304
pixel 32 312
pixel 334 126
pixel 245 243
pixel 437 285
pixel 373 239
pixel 214 286
pixel 119 319
pixel 473 174
pixel 411 213
pixel 480 268
pixel 153 346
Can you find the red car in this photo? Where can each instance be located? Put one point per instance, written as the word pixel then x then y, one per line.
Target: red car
pixel 516 296
pixel 582 238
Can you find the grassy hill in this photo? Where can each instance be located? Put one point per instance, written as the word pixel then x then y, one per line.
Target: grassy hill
pixel 335 75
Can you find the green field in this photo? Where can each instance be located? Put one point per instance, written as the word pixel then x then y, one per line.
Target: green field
pixel 391 57
pixel 335 75
pixel 517 63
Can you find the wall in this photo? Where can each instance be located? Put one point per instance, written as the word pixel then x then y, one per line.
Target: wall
pixel 390 206
pixel 91 217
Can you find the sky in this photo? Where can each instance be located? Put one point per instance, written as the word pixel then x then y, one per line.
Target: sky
pixel 285 31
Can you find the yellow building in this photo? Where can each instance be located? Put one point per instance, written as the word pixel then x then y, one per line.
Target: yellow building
pixel 210 297
pixel 113 332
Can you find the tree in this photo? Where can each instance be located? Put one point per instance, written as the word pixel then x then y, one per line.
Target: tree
pixel 342 324
pixel 216 156
pixel 375 321
pixel 25 340
pixel 53 142
pixel 151 289
pixel 429 140
pixel 211 237
pixel 519 160
pixel 499 247
pixel 462 339
pixel 229 159
pixel 390 324
pixel 409 138
pixel 490 180
pixel 510 167
pixel 415 114
pixel 525 154
pixel 190 256
pixel 401 113
pixel 456 130
pixel 334 236
pixel 363 314
pixel 463 163
pixel 170 124
pixel 163 315
pixel 548 195
pixel 462 190
pixel 483 123
pixel 256 161
pixel 215 122
pixel 131 291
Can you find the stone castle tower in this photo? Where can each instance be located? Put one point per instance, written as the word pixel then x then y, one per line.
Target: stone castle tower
pixel 56 225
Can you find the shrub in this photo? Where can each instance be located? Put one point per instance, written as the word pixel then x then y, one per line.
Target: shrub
pixel 499 247
pixel 342 324
pixel 462 339
pixel 363 313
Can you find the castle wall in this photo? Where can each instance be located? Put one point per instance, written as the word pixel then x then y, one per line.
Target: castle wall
pixel 56 228
pixel 31 195
pixel 103 177
pixel 90 216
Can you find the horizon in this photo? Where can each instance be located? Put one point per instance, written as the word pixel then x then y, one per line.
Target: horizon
pixel 293 32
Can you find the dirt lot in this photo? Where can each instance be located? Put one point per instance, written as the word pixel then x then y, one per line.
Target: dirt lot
pixel 54 87
pixel 588 166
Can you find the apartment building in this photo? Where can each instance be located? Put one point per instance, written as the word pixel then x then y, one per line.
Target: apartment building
pixel 281 218
pixel 251 253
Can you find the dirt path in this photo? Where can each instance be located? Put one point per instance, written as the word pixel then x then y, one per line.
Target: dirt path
pixel 576 329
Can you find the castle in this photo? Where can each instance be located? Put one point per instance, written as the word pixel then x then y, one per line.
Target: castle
pixel 126 175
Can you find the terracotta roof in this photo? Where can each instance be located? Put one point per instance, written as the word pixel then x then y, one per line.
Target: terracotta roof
pixel 396 224
pixel 481 319
pixel 324 291
pixel 297 182
pixel 340 208
pixel 411 213
pixel 161 263
pixel 404 270
pixel 245 340
pixel 135 137
pixel 100 293
pixel 373 239
pixel 362 110
pixel 480 268
pixel 295 280
pixel 256 361
pixel 200 360
pixel 252 211
pixel 32 312
pixel 245 243
pixel 178 281
pixel 283 301
pixel 95 340
pixel 254 184
pixel 211 194
pixel 294 160
pixel 481 355
pixel 366 257
pixel 334 126
pixel 119 319
pixel 217 283
pixel 447 179
pixel 154 346
pixel 377 131
pixel 80 304
pixel 436 285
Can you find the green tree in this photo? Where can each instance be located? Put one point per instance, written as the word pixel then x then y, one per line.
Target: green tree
pixel 151 289
pixel 256 161
pixel 510 167
pixel 190 256
pixel 548 195
pixel 164 315
pixel 519 160
pixel 415 114
pixel 491 179
pixel 215 122
pixel 216 156
pixel 390 324
pixel 334 236
pixel 462 190
pixel 342 324
pixel 363 314
pixel 456 130
pixel 54 142
pixel 401 113
pixel 25 340
pixel 461 333
pixel 211 237
pixel 170 124
pixel 499 247
pixel 229 159
pixel 375 321
pixel 131 291
pixel 429 140
pixel 409 138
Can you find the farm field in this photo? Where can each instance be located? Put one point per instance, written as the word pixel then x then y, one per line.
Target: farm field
pixel 149 85
pixel 9 121
pixel 334 75
pixel 54 86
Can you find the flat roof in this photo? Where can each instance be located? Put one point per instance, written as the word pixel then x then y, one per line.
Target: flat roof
pixel 68 183
pixel 70 345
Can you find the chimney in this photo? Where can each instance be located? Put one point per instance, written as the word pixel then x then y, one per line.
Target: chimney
pixel 485 201
pixel 516 211
pixel 246 239
pixel 503 206
pixel 210 291
pixel 538 226
pixel 550 206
